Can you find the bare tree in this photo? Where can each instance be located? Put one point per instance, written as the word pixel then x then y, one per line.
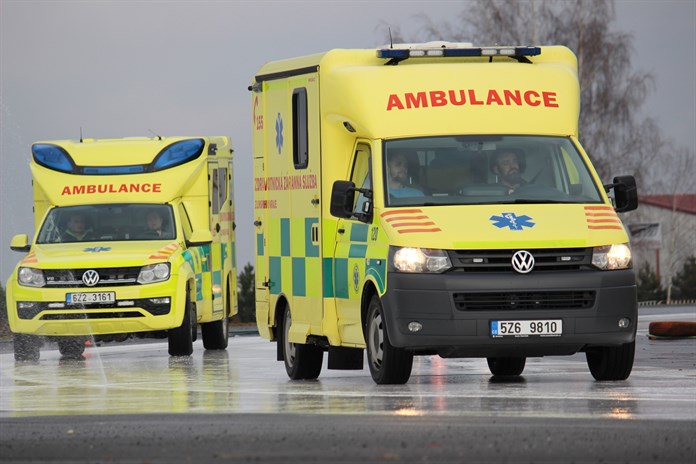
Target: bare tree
pixel 611 92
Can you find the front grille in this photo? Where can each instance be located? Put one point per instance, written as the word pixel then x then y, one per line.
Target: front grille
pixel 551 259
pixel 108 277
pixel 489 301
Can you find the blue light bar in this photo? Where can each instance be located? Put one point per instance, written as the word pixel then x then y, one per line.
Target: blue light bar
pixel 416 52
pixel 111 170
pixel 178 153
pixel 52 157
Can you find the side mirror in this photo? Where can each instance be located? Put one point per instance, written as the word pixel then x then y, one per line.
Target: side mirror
pixel 625 193
pixel 199 237
pixel 20 243
pixel 342 199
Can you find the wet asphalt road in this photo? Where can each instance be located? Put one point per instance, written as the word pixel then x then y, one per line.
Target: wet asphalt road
pixel 132 403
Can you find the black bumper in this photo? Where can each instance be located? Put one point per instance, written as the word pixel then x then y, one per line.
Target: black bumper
pixel 453 329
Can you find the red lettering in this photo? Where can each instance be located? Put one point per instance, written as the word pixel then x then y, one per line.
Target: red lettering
pixel 123 188
pixel 103 188
pixel 453 98
pixel 91 189
pixel 472 98
pixel 416 101
pixel 156 188
pixel 493 97
pixel 528 98
pixel 511 96
pixel 145 188
pixel 438 98
pixel 394 102
pixel 549 99
pixel 79 190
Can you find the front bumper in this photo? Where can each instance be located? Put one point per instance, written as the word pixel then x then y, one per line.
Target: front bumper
pixel 452 326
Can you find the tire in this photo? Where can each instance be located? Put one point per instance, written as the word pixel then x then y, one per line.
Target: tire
pixel 27 347
pixel 302 362
pixel 216 333
pixel 388 364
pixel 181 338
pixel 611 362
pixel 71 347
pixel 506 366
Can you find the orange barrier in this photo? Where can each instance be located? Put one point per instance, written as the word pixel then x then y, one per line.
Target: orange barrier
pixel 671 329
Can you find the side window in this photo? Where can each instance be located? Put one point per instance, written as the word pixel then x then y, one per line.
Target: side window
pixel 361 176
pixel 215 195
pixel 222 187
pixel 185 221
pixel 299 128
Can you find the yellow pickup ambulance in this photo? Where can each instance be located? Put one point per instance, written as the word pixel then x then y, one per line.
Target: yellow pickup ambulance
pixel 135 238
pixel 434 199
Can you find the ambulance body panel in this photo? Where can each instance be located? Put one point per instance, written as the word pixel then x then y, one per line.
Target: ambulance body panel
pixel 123 279
pixel 462 265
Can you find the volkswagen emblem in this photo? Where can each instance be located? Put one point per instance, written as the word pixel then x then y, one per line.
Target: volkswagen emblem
pixel 522 261
pixel 90 278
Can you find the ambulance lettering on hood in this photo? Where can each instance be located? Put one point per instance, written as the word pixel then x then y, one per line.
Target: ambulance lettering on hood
pixel 110 188
pixel 490 97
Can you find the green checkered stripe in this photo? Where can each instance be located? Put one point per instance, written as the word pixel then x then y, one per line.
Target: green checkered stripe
pixel 303 264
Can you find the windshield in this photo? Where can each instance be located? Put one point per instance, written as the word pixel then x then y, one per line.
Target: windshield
pixel 485 170
pixel 106 223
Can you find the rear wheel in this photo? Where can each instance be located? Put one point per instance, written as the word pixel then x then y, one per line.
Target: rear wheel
pixel 388 364
pixel 611 362
pixel 215 334
pixel 181 338
pixel 301 361
pixel 506 366
pixel 26 347
pixel 71 347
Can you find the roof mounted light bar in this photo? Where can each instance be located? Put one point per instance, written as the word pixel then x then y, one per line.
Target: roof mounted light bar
pixel 396 55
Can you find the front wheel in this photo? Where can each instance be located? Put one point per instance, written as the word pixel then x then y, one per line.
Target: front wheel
pixel 71 347
pixel 181 338
pixel 26 347
pixel 506 366
pixel 301 361
pixel 388 364
pixel 611 362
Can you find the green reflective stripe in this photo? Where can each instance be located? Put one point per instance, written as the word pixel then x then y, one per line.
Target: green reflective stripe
pixel 298 277
pixel 341 278
pixel 311 250
pixel 357 251
pixel 378 272
pixel 284 237
pixel 275 273
pixel 259 244
pixel 358 233
pixel 190 258
pixel 327 276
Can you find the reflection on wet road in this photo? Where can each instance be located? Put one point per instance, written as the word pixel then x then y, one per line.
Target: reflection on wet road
pixel 137 379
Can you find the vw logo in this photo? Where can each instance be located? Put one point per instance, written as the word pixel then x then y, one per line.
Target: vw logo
pixel 90 278
pixel 522 261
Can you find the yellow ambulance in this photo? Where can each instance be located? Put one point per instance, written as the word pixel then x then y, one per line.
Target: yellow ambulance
pixel 434 199
pixel 135 238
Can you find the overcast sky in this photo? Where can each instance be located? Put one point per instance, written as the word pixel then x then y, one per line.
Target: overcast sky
pixel 122 68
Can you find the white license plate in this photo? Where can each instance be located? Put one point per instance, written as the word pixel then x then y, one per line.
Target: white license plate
pixel 90 297
pixel 538 328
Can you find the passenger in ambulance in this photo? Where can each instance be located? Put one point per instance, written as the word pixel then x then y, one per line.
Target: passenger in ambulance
pixel 77 230
pixel 154 225
pixel 508 165
pixel 399 182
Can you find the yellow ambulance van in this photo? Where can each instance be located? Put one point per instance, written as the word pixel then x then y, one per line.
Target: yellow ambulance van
pixel 434 199
pixel 135 238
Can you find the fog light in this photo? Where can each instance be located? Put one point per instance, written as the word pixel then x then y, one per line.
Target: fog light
pixel 624 322
pixel 125 303
pixel 159 301
pixel 415 326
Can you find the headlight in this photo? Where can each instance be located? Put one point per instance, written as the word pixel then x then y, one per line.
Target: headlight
pixel 30 277
pixel 612 257
pixel 153 273
pixel 420 260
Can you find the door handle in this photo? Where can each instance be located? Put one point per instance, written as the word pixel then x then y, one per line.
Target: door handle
pixel 257 223
pixel 217 227
pixel 341 231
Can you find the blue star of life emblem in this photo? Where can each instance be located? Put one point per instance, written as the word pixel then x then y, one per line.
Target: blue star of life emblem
pixel 513 221
pixel 96 249
pixel 279 133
